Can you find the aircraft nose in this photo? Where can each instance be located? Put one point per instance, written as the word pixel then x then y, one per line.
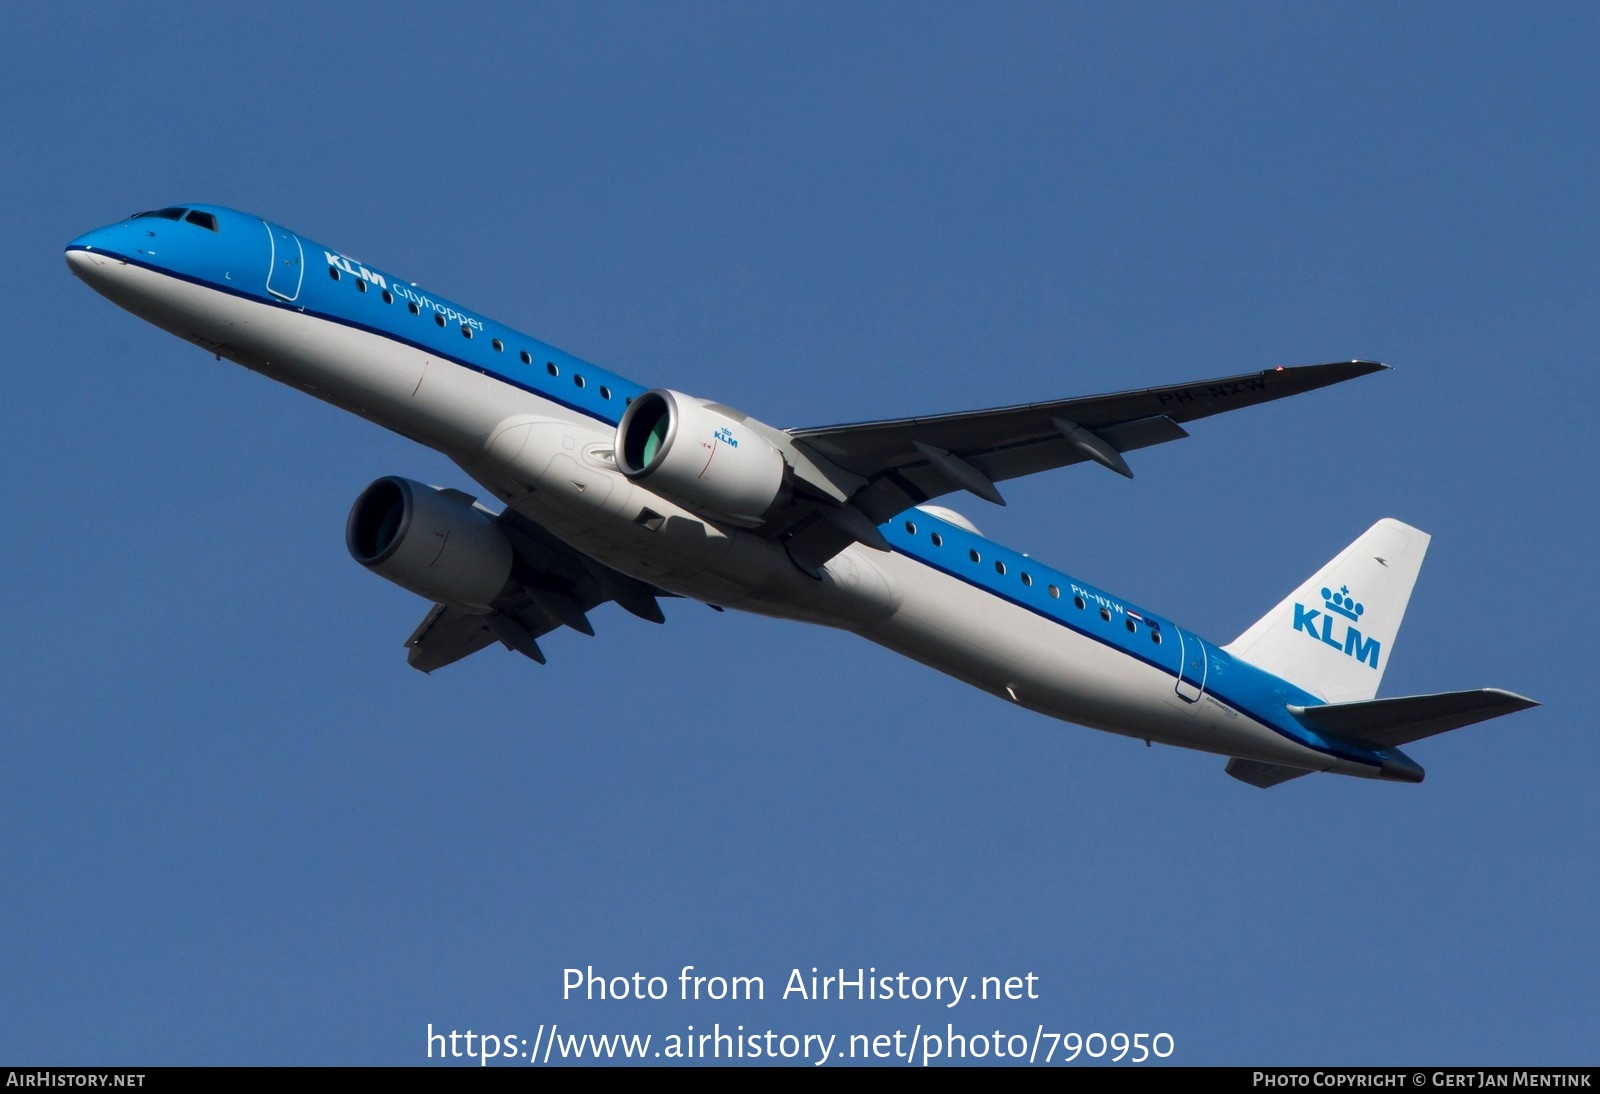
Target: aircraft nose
pixel 91 253
pixel 81 261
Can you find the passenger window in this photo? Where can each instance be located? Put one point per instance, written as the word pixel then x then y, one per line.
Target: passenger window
pixel 1105 614
pixel 910 527
pixel 1027 580
pixel 499 346
pixel 550 367
pixel 333 272
pixel 605 393
pixel 527 358
pixel 938 540
pixel 974 555
pixel 1077 602
pixel 1055 593
pixel 466 331
pixel 578 380
pixel 414 309
pixel 361 286
pixel 1155 636
pixel 388 297
pixel 1132 627
pixel 1000 568
pixel 438 318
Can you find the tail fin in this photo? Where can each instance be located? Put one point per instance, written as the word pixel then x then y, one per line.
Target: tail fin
pixel 1333 635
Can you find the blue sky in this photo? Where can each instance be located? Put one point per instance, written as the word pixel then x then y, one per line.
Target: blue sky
pixel 237 829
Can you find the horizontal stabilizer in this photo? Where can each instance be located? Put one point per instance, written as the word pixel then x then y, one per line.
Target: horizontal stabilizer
pixel 1390 723
pixel 1263 775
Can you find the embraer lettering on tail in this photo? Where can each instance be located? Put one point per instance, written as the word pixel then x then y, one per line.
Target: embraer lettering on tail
pixel 1353 644
pixel 608 495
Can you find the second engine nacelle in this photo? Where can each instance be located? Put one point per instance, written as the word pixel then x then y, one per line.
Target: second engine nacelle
pixel 687 450
pixel 434 542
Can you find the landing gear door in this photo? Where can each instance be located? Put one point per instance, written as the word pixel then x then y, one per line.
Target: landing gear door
pixel 288 268
pixel 1191 667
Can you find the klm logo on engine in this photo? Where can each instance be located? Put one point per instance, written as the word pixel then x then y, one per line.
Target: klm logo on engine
pixel 1335 626
pixel 725 435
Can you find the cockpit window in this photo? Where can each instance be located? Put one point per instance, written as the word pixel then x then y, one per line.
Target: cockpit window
pixel 172 213
pixel 205 220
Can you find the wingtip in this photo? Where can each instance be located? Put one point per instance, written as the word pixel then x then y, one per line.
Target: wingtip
pixel 1338 370
pixel 1513 700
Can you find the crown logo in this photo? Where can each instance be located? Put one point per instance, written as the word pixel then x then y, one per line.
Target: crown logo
pixel 1342 603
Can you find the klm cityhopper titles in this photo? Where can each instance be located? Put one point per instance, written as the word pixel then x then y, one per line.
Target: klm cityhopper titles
pixel 612 492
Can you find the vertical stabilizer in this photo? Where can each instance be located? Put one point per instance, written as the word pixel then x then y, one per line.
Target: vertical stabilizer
pixel 1334 634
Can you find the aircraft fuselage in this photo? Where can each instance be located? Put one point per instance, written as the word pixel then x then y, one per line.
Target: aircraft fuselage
pixel 537 427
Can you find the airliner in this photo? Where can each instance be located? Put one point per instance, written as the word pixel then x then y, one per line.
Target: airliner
pixel 613 492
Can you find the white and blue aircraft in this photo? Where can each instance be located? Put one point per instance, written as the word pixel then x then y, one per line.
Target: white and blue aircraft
pixel 613 492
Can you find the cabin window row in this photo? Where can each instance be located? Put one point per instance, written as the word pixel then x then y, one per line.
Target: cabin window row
pixel 467 332
pixel 1055 591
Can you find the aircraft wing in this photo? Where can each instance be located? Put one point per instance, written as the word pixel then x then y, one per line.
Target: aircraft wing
pixel 445 636
pixel 874 470
pixel 922 458
pixel 554 586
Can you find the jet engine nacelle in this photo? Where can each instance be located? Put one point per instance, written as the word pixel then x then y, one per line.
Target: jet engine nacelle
pixel 434 542
pixel 692 452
